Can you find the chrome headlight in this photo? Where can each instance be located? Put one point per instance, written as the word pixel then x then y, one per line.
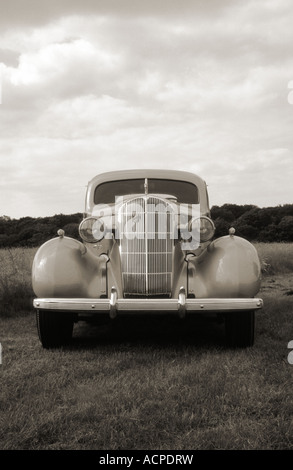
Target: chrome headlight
pixel 92 229
pixel 203 226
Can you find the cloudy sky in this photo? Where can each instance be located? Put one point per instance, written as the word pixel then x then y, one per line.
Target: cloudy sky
pixel 95 85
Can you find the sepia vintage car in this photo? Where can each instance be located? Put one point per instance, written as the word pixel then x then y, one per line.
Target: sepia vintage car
pixel 148 248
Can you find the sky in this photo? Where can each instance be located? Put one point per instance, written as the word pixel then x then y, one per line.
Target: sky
pixel 90 86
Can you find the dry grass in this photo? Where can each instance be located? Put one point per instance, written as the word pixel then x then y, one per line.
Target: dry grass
pixel 16 292
pixel 276 258
pixel 130 389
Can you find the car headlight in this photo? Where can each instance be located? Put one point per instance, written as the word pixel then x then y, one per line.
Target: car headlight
pixel 92 229
pixel 204 226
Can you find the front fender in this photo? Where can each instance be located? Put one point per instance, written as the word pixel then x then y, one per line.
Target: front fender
pixel 229 267
pixel 63 267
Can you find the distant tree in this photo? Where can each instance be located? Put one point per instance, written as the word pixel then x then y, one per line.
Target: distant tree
pixel 233 210
pixel 222 227
pixel 246 231
pixel 260 224
pixel 268 234
pixel 222 213
pixel 29 231
pixel 285 228
pixel 3 239
pixel 71 230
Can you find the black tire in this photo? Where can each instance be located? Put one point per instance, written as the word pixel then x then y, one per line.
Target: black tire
pixel 239 329
pixel 54 328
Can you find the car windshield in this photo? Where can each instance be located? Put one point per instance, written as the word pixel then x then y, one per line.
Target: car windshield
pixel 183 191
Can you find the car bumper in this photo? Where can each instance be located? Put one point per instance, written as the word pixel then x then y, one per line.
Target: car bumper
pixel 115 305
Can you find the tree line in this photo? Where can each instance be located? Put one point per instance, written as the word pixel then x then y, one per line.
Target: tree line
pixel 269 224
pixel 32 232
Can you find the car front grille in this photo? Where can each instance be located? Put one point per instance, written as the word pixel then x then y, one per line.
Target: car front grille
pixel 146 246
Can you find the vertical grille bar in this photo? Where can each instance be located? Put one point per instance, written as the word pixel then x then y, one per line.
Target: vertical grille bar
pixel 146 246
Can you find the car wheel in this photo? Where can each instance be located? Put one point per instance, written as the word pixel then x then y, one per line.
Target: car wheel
pixel 239 329
pixel 54 328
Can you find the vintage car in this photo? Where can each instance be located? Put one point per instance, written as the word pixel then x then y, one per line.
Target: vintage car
pixel 147 247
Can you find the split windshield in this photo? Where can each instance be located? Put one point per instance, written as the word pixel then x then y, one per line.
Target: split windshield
pixel 184 192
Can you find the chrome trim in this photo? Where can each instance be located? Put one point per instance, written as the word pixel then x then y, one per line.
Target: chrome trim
pixel 113 301
pixel 138 252
pixel 202 217
pixel 182 302
pixel 118 305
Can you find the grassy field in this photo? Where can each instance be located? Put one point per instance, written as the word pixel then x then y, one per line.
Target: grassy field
pixel 147 385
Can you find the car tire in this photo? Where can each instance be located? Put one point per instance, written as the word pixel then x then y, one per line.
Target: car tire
pixel 54 328
pixel 239 329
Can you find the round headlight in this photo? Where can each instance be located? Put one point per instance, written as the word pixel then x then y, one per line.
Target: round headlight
pixel 205 227
pixel 92 230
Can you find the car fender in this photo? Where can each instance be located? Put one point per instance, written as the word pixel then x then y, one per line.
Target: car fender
pixel 228 267
pixel 63 267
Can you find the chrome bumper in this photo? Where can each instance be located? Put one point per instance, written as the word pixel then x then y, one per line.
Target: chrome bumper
pixel 115 305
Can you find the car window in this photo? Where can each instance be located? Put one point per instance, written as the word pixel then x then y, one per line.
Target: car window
pixel 183 191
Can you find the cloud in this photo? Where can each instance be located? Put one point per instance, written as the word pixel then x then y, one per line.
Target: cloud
pixel 96 86
pixel 60 68
pixel 31 12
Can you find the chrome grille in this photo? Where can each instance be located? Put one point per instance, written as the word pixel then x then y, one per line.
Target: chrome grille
pixel 146 246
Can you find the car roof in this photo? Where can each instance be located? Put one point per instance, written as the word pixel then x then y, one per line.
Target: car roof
pixel 147 173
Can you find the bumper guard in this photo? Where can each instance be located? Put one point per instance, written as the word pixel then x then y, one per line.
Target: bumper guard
pixel 116 305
